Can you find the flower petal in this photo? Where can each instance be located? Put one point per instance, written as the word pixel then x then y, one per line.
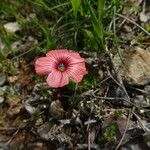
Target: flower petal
pixel 44 65
pixel 57 79
pixel 75 58
pixel 58 56
pixel 76 71
pixel 64 54
pixel 58 53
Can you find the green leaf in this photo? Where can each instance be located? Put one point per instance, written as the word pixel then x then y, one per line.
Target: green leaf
pixel 47 33
pixel 75 6
pixel 100 9
pixel 97 25
pixel 91 38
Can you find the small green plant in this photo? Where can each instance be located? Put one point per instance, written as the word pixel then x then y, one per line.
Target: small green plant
pixel 148 27
pixel 18 122
pixel 34 116
pixel 2 121
pixel 118 113
pixel 110 133
pixel 7 66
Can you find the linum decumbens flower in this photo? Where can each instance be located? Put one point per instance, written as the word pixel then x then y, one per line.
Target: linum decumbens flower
pixel 61 66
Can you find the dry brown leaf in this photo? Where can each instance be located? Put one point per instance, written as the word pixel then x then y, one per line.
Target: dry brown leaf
pixel 15 105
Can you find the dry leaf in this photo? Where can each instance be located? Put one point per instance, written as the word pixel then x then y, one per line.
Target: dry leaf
pixel 15 105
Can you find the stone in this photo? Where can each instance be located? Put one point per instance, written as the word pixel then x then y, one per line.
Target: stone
pixel 1 99
pixel 141 101
pixel 143 17
pixel 8 89
pixel 134 66
pixel 12 27
pixel 56 110
pixel 43 131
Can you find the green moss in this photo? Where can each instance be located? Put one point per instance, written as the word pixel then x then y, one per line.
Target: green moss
pixel 109 134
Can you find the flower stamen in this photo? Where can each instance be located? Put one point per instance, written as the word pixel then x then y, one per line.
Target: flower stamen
pixel 61 67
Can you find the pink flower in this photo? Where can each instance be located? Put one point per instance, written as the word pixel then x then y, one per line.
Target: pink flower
pixel 60 66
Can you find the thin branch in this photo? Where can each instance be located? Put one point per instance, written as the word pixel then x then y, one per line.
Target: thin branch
pixel 141 123
pixel 126 128
pixel 89 137
pixel 122 16
pixel 13 136
pixel 9 129
pixel 112 98
pixel 114 79
pixel 118 76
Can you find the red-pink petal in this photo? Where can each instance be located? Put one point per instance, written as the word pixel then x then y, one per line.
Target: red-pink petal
pixel 75 58
pixel 44 65
pixel 63 54
pixel 57 79
pixel 58 53
pixel 76 71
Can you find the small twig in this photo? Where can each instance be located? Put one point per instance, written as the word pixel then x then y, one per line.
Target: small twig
pixel 141 123
pixel 12 137
pixel 143 7
pixel 104 80
pixel 120 86
pixel 9 129
pixel 139 90
pixel 89 137
pixel 118 76
pixel 27 51
pixel 106 92
pixel 122 16
pixel 126 128
pixel 114 78
pixel 112 98
pixel 124 20
pixel 107 98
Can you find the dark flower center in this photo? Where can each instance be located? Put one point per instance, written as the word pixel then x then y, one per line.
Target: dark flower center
pixel 62 67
